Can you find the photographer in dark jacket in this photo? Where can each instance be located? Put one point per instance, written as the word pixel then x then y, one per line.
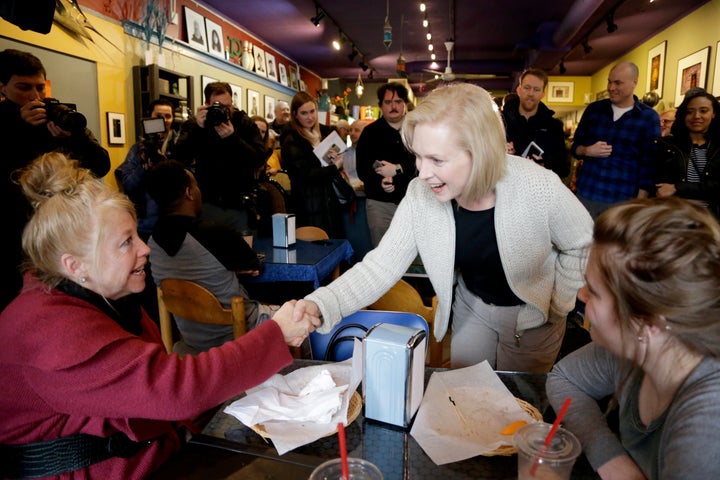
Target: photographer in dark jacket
pixel 688 163
pixel 28 128
pixel 225 147
pixel 527 120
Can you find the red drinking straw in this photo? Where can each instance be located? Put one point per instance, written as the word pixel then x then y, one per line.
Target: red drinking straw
pixel 550 435
pixel 343 451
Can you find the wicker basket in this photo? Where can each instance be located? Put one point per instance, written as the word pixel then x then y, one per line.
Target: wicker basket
pixel 354 408
pixel 507 450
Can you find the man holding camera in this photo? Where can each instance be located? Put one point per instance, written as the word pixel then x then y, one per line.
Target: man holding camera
pixel 155 145
pixel 31 125
pixel 225 147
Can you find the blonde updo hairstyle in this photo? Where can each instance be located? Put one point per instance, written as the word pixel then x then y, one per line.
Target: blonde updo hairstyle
pixel 660 260
pixel 70 210
pixel 470 113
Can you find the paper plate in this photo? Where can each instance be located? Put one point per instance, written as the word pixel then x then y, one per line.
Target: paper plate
pixel 354 408
pixel 507 450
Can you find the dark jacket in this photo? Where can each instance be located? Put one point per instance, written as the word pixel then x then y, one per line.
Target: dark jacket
pixel 224 167
pixel 313 197
pixel 543 129
pixel 673 156
pixel 380 141
pixel 21 144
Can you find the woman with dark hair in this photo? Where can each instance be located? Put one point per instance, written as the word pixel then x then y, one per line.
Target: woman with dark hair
pixel 652 295
pixel 689 159
pixel 314 199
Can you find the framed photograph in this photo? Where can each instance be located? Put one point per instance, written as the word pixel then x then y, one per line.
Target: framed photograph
pixel 656 69
pixel 294 83
pixel 283 74
pixel 195 28
pixel 253 103
pixel 269 108
pixel 602 95
pixel 561 92
pixel 237 96
pixel 204 80
pixel 271 67
pixel 116 128
pixel 260 67
pixel 691 73
pixel 215 38
pixel 716 77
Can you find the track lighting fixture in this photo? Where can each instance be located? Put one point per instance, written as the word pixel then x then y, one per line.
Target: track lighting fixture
pixel 562 67
pixel 610 20
pixel 319 15
pixel 371 75
pixel 363 65
pixel 352 54
pixel 422 6
pixel 586 46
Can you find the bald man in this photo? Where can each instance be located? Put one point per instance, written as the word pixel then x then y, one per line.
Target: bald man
pixel 282 119
pixel 615 142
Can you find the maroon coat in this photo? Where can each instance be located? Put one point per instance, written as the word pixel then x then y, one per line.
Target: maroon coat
pixel 66 368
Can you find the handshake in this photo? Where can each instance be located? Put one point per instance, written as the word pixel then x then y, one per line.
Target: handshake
pixel 297 319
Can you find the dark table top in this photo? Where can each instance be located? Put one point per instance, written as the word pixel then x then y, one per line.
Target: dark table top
pixel 228 449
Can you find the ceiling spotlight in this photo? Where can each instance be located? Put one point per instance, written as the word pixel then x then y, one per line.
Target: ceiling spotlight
pixel 336 44
pixel 319 15
pixel 432 56
pixel 610 20
pixel 562 67
pixel 352 54
pixel 363 65
pixel 371 75
pixel 422 6
pixel 425 21
pixel 430 47
pixel 428 36
pixel 586 46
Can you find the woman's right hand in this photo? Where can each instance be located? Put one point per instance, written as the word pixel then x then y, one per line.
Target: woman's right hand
pixel 294 331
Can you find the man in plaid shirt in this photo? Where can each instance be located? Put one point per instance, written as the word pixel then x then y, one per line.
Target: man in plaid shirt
pixel 615 142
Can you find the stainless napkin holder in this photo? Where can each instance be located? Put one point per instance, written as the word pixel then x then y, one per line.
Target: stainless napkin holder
pixel 283 230
pixel 394 373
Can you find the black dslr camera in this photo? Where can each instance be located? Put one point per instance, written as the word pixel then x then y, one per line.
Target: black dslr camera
pixel 217 113
pixel 64 115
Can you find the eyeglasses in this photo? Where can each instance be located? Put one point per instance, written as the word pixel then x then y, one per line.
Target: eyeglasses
pixel 666 122
pixel 530 88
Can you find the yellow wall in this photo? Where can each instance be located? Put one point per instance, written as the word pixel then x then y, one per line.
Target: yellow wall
pixel 692 33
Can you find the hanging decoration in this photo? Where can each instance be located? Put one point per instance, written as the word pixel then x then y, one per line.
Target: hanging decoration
pixel 400 65
pixel 387 29
pixel 359 87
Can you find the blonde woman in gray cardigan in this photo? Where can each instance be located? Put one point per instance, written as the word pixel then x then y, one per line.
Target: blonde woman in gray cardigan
pixel 503 240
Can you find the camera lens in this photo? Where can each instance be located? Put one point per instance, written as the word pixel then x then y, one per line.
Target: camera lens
pixel 217 113
pixel 64 116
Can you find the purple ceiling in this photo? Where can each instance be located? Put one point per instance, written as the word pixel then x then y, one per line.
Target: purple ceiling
pixel 491 36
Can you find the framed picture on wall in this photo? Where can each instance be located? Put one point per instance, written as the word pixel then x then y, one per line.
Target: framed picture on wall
pixel 237 96
pixel 260 67
pixel 656 69
pixel 716 77
pixel 253 103
pixel 204 80
pixel 691 73
pixel 116 128
pixel 195 28
pixel 561 92
pixel 271 67
pixel 215 38
pixel 269 108
pixel 283 74
pixel 294 83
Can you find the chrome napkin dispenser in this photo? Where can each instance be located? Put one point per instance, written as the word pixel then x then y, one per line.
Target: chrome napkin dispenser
pixel 394 373
pixel 283 230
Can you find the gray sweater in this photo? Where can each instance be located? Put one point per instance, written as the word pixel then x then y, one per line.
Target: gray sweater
pixel 683 443
pixel 543 235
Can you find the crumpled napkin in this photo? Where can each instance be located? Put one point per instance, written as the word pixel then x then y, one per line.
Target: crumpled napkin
pixel 463 412
pixel 302 406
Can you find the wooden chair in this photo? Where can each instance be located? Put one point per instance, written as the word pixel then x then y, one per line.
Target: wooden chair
pixel 191 301
pixel 403 297
pixel 310 234
pixel 283 179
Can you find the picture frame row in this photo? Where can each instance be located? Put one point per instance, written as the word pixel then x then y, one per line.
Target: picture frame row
pixel 206 35
pixel 252 105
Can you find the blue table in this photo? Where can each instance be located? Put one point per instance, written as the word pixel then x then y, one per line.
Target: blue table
pixel 303 262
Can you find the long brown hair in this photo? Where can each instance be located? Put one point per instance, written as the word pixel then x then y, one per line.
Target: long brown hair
pixel 300 99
